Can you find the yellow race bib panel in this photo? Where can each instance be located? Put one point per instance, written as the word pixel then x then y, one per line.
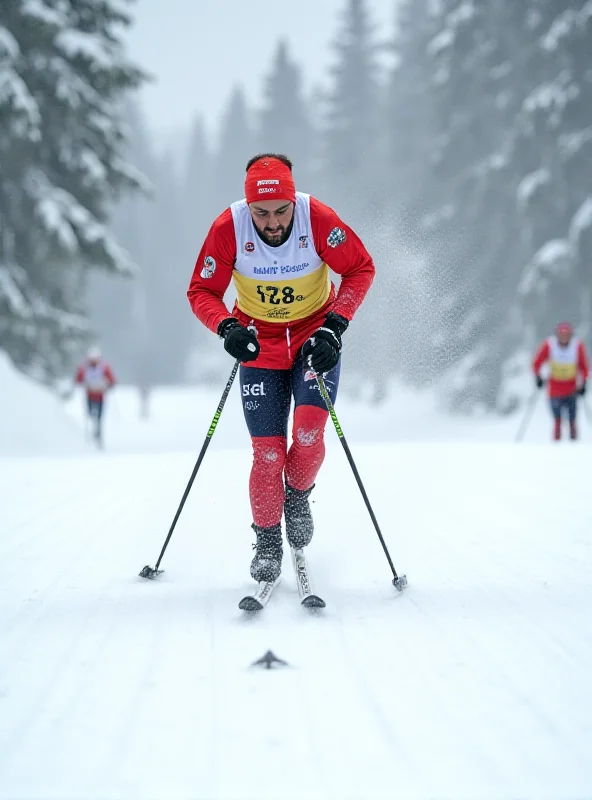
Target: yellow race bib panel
pixel 563 361
pixel 563 372
pixel 285 299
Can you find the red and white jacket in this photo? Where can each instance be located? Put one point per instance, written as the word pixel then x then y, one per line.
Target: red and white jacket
pixel 96 378
pixel 284 291
pixel 566 364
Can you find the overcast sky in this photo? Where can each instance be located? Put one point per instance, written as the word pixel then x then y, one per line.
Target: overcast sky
pixel 198 49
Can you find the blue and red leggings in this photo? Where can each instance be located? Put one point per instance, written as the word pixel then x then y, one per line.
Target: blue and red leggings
pixel 267 397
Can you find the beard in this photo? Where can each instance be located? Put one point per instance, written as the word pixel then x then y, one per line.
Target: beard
pixel 275 237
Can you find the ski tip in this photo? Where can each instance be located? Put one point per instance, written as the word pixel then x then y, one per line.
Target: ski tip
pixel 400 583
pixel 150 572
pixel 249 603
pixel 313 601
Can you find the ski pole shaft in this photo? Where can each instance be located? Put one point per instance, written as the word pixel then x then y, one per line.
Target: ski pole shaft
pixel 329 403
pixel 200 458
pixel 527 415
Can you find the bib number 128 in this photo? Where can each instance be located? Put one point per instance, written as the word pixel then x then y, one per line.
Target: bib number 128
pixel 273 295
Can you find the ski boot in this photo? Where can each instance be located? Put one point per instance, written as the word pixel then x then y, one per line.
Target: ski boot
pixel 299 522
pixel 573 431
pixel 267 562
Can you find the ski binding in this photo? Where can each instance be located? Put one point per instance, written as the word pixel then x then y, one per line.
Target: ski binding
pixel 307 597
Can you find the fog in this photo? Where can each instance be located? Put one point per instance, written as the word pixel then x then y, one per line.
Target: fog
pixel 452 137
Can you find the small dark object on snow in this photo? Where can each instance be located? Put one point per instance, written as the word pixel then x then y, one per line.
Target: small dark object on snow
pixel 268 661
pixel 150 572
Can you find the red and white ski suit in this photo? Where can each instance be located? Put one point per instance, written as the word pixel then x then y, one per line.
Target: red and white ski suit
pixel 95 378
pixel 286 292
pixel 566 364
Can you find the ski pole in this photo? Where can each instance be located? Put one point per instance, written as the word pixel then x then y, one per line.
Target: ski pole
pixel 399 581
pixel 532 401
pixel 150 572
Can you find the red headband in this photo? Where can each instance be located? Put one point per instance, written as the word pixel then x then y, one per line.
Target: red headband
pixel 269 179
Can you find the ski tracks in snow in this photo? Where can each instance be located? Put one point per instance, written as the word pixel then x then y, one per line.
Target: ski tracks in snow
pixel 473 683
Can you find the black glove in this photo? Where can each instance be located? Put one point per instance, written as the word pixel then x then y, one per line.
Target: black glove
pixel 321 351
pixel 539 382
pixel 240 342
pixel 582 389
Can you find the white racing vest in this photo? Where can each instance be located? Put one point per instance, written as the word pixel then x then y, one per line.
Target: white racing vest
pixel 94 377
pixel 563 361
pixel 278 284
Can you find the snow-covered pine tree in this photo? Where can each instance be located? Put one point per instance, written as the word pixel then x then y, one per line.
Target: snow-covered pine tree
pixel 205 363
pixel 554 160
pixel 195 186
pixel 234 147
pixel 166 274
pixel 283 124
pixel 351 168
pixel 117 304
pixel 409 121
pixel 473 266
pixel 408 126
pixel 63 73
pixel 351 175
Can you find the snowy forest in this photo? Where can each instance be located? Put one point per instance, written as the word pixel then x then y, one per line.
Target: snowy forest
pixel 459 147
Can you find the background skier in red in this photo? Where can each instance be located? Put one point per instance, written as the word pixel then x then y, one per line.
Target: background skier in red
pixel 568 373
pixel 277 245
pixel 96 376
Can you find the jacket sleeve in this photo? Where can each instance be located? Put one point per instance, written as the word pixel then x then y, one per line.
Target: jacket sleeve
pixel 583 362
pixel 213 272
pixel 79 377
pixel 109 376
pixel 541 356
pixel 343 252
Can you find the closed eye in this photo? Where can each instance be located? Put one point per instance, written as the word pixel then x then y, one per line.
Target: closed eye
pixel 263 212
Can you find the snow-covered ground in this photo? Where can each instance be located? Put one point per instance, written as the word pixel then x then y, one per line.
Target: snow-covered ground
pixel 180 418
pixel 32 419
pixel 474 683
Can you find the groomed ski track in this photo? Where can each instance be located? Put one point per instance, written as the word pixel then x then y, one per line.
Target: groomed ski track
pixel 475 683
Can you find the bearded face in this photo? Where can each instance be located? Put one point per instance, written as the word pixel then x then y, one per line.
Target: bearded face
pixel 273 220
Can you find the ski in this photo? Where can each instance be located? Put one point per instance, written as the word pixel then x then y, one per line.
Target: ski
pixel 259 599
pixel 307 597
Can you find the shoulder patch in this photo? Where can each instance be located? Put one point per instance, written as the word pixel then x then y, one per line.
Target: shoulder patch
pixel 209 267
pixel 336 237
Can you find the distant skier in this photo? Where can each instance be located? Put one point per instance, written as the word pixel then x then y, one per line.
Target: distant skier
pixel 96 377
pixel 568 373
pixel 277 245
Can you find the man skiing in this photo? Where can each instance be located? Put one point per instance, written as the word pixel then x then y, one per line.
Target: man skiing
pixel 96 376
pixel 568 373
pixel 277 246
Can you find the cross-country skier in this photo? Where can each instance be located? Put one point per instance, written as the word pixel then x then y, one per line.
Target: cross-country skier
pixel 568 373
pixel 96 377
pixel 277 245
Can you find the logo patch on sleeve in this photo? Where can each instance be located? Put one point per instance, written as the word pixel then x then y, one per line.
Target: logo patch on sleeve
pixel 336 237
pixel 209 267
